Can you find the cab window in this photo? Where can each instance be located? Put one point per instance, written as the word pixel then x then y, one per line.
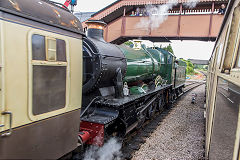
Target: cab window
pixel 169 59
pixel 162 59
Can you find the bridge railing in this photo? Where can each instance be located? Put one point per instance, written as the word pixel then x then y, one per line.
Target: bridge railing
pixel 188 11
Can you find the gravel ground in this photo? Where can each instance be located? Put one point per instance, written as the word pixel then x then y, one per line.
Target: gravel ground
pixel 180 135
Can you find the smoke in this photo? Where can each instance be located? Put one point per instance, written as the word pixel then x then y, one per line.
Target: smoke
pixel 191 3
pixel 158 14
pixel 109 151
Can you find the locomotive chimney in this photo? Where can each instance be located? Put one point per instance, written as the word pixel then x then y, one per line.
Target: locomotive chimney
pixel 95 29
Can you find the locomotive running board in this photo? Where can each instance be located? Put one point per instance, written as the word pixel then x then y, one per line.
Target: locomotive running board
pixel 100 115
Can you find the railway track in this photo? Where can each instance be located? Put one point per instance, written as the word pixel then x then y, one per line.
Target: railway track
pixel 134 140
pixel 192 85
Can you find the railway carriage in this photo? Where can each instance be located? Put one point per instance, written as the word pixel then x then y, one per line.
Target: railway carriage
pixel 223 90
pixel 40 79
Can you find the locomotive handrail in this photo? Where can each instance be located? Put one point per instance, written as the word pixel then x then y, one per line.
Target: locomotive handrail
pixel 86 42
pixel 86 109
pixel 56 4
pixel 104 56
pixel 9 132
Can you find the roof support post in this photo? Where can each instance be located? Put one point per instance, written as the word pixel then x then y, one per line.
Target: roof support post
pixel 106 33
pixel 150 29
pixel 179 20
pixel 123 27
pixel 124 12
pixel 210 23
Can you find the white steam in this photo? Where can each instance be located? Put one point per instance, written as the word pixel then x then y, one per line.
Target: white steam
pixel 191 3
pixel 157 14
pixel 109 151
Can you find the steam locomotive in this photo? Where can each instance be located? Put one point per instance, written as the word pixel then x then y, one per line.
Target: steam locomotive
pixel 60 89
pixel 122 86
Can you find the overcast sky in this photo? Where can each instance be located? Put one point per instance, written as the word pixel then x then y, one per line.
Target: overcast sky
pixel 182 49
pixel 89 5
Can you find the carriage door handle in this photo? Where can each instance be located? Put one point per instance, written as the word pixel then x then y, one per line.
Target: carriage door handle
pixel 9 132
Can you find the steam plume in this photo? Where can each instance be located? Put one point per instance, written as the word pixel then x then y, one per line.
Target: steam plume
pixel 191 3
pixel 109 151
pixel 158 14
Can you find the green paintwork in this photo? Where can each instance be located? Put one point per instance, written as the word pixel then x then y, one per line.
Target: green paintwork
pixel 180 76
pixel 159 57
pixel 148 63
pixel 168 67
pixel 140 64
pixel 137 90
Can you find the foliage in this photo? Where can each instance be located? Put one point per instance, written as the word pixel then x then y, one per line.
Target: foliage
pixel 128 43
pixel 190 67
pixel 201 67
pixel 169 48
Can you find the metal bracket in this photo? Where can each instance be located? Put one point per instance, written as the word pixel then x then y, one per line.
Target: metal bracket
pixel 9 132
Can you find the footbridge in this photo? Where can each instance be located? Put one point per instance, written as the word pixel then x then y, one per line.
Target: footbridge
pixel 185 20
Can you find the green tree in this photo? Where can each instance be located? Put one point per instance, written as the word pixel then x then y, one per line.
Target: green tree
pixel 169 48
pixel 190 67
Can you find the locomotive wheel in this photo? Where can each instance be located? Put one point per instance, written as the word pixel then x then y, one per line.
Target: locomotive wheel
pixel 181 90
pixel 159 104
pixel 151 111
pixel 168 100
pixel 173 96
pixel 141 120
pixel 176 94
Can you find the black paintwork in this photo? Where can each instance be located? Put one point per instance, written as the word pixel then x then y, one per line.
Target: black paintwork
pixel 126 111
pixel 104 67
pixel 44 12
pixel 101 61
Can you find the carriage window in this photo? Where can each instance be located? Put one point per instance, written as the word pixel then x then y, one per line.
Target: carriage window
pixel 51 49
pixel 56 48
pixel 61 50
pixel 231 42
pixel 38 47
pixel 48 79
pixel 237 64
